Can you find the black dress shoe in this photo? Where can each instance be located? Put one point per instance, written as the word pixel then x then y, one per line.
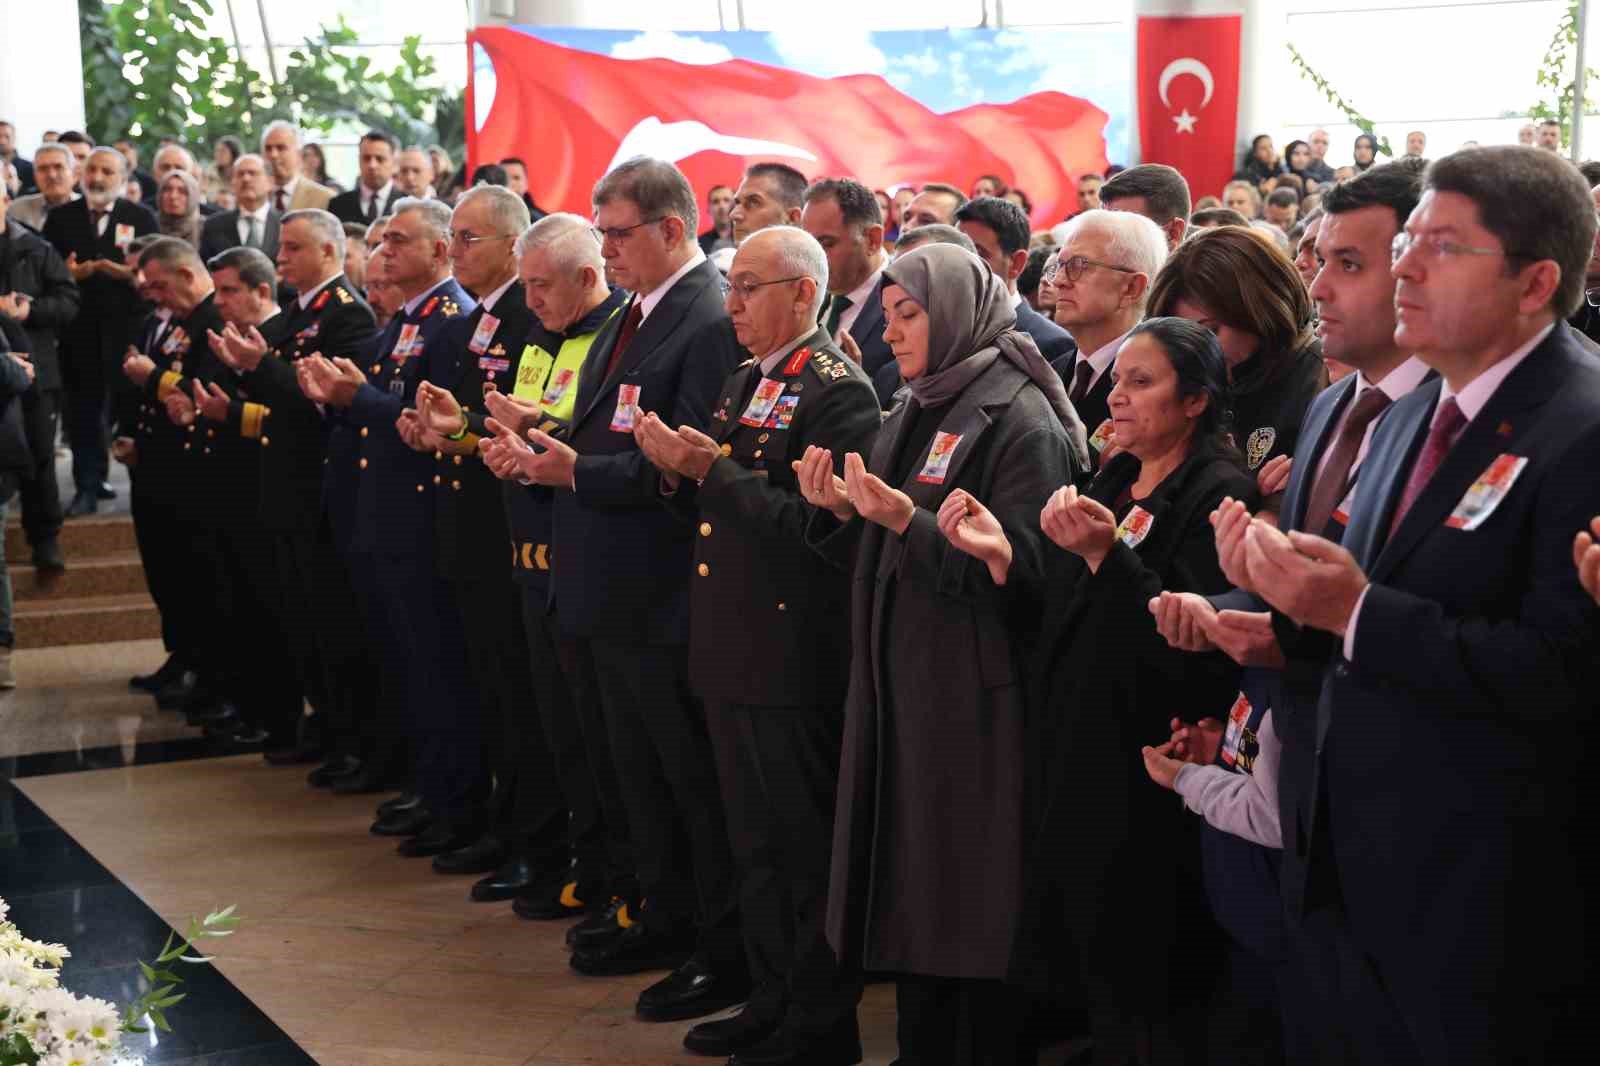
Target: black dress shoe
pixel 84 503
pixel 601 927
pixel 403 823
pixel 223 722
pixel 339 766
pixel 166 674
pixel 403 802
pixel 47 558
pixel 839 1046
pixel 252 736
pixel 636 950
pixel 297 755
pixel 175 694
pixel 554 902
pixel 436 840
pixel 363 782
pixel 514 877
pixel 693 990
pixel 725 1036
pixel 105 491
pixel 482 856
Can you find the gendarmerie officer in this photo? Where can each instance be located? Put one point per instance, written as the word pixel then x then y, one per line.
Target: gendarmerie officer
pixel 527 818
pixel 394 526
pixel 757 594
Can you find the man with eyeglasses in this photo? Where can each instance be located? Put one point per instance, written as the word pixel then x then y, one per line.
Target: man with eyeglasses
pixel 1458 694
pixel 620 585
pixel 776 719
pixel 1100 281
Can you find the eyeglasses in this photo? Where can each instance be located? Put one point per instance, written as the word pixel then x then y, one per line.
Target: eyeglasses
pixel 621 233
pixel 1433 248
pixel 746 287
pixel 1073 268
pixel 469 239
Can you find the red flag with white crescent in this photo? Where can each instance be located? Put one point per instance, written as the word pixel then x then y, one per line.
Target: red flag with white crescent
pixel 1188 93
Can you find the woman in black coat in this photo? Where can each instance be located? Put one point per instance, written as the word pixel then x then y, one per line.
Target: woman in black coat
pixel 928 843
pixel 1114 903
pixel 1238 284
pixel 1261 164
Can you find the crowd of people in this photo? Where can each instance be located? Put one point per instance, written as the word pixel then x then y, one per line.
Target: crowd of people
pixel 841 592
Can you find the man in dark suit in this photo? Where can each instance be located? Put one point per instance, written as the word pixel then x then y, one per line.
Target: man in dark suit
pixel 1455 708
pixel 252 223
pixel 93 235
pixel 374 194
pixel 1157 192
pixel 776 728
pixel 621 584
pixel 844 216
pixel 999 230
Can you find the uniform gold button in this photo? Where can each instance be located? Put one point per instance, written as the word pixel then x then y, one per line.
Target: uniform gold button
pixel 437 455
pixel 211 434
pixel 727 449
pixel 363 431
pixel 705 529
pixel 265 441
pixel 704 570
pixel 758 453
pixel 458 460
pixel 763 438
pixel 437 479
pixel 783 606
pixel 375 367
pixel 186 447
pixel 419 488
pixel 362 464
pixel 456 485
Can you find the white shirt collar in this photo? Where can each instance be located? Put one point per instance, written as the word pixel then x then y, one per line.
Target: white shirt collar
pixel 1100 359
pixel 648 301
pixel 488 302
pixel 770 363
pixel 381 195
pixel 288 188
pixel 859 295
pixel 1395 384
pixel 1475 396
pixel 305 298
pixel 416 301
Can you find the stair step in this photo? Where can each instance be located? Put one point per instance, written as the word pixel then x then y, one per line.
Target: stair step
pixel 81 538
pixel 118 574
pixel 85 620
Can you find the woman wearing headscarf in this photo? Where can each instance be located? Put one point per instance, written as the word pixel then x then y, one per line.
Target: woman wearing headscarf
pixel 1261 164
pixel 1114 904
pixel 1296 158
pixel 1366 152
pixel 929 838
pixel 178 207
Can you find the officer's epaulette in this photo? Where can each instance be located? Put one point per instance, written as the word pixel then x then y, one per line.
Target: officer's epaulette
pixel 829 367
pixel 342 294
pixel 321 301
pixel 451 308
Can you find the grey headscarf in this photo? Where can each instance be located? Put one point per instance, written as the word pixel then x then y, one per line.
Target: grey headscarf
pixel 186 226
pixel 971 323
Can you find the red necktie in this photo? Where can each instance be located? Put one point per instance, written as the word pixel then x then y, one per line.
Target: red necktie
pixel 278 199
pixel 1330 488
pixel 630 326
pixel 1447 426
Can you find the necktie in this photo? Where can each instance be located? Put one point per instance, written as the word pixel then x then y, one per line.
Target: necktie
pixel 279 199
pixel 1330 488
pixel 630 326
pixel 1081 375
pixel 252 239
pixel 99 220
pixel 1447 426
pixel 372 208
pixel 836 310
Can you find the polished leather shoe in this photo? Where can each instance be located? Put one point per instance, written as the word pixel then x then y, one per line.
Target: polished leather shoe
pixel 601 927
pixel 514 877
pixel 482 856
pixel 435 840
pixel 365 781
pixel 693 990
pixel 636 950
pixel 84 503
pixel 47 558
pixel 158 679
pixel 175 694
pixel 403 802
pixel 105 491
pixel 249 735
pixel 223 722
pixel 839 1046
pixel 725 1036
pixel 406 823
pixel 297 755
pixel 339 766
pixel 554 902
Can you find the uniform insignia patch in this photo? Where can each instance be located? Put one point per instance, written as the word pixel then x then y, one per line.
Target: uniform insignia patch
pixel 321 301
pixel 342 294
pixel 1258 445
pixel 451 308
pixel 427 308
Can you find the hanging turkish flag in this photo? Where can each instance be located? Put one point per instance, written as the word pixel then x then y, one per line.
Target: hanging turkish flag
pixel 573 115
pixel 1188 93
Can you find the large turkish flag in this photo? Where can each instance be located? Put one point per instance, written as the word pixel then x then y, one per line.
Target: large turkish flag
pixel 572 114
pixel 1188 94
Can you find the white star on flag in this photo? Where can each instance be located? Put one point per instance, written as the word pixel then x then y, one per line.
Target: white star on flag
pixel 1184 121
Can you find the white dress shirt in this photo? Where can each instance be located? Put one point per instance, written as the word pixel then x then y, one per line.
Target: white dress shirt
pixel 648 301
pixel 1395 384
pixel 859 295
pixel 488 302
pixel 368 197
pixel 260 215
pixel 1100 361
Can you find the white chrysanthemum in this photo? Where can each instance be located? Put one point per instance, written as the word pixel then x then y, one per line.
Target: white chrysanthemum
pixel 20 971
pixel 5 908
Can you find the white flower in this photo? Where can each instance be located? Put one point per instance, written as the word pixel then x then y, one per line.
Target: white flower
pixel 5 909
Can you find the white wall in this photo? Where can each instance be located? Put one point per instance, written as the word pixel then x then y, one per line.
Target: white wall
pixel 41 68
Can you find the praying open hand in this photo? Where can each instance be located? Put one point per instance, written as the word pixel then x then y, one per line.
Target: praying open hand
pixel 1230 520
pixel 439 411
pixel 553 464
pixel 1312 580
pixel 242 352
pixel 335 383
pixel 413 434
pixel 509 411
pixel 1586 554
pixel 820 486
pixel 973 528
pixel 211 401
pixel 137 367
pixel 875 500
pixel 1081 525
pixel 1273 477
pixel 180 409
pixel 681 453
pixel 1161 766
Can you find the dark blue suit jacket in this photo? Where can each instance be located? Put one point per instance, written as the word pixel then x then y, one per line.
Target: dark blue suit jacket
pixel 1449 749
pixel 622 562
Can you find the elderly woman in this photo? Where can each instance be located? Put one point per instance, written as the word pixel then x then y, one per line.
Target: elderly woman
pixel 178 207
pixel 1239 285
pixel 1114 903
pixel 929 837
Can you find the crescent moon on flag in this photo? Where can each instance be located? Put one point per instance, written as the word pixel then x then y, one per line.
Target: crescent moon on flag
pixel 1186 65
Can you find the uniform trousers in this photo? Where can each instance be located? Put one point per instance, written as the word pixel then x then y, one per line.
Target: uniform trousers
pixel 443 710
pixel 252 638
pixel 526 811
pixel 162 531
pixel 39 494
pixel 779 773
pixel 958 1021
pixel 551 666
pixel 610 857
pixel 1338 1012
pixel 385 737
pixel 669 785
pixel 85 411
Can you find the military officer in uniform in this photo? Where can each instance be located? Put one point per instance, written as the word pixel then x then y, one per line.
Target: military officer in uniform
pixel 563 278
pixel 757 594
pixel 328 642
pixel 394 526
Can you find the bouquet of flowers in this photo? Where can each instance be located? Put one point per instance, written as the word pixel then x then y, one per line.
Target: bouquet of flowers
pixel 43 1024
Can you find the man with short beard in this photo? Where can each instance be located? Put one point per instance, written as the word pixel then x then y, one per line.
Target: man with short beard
pixel 93 234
